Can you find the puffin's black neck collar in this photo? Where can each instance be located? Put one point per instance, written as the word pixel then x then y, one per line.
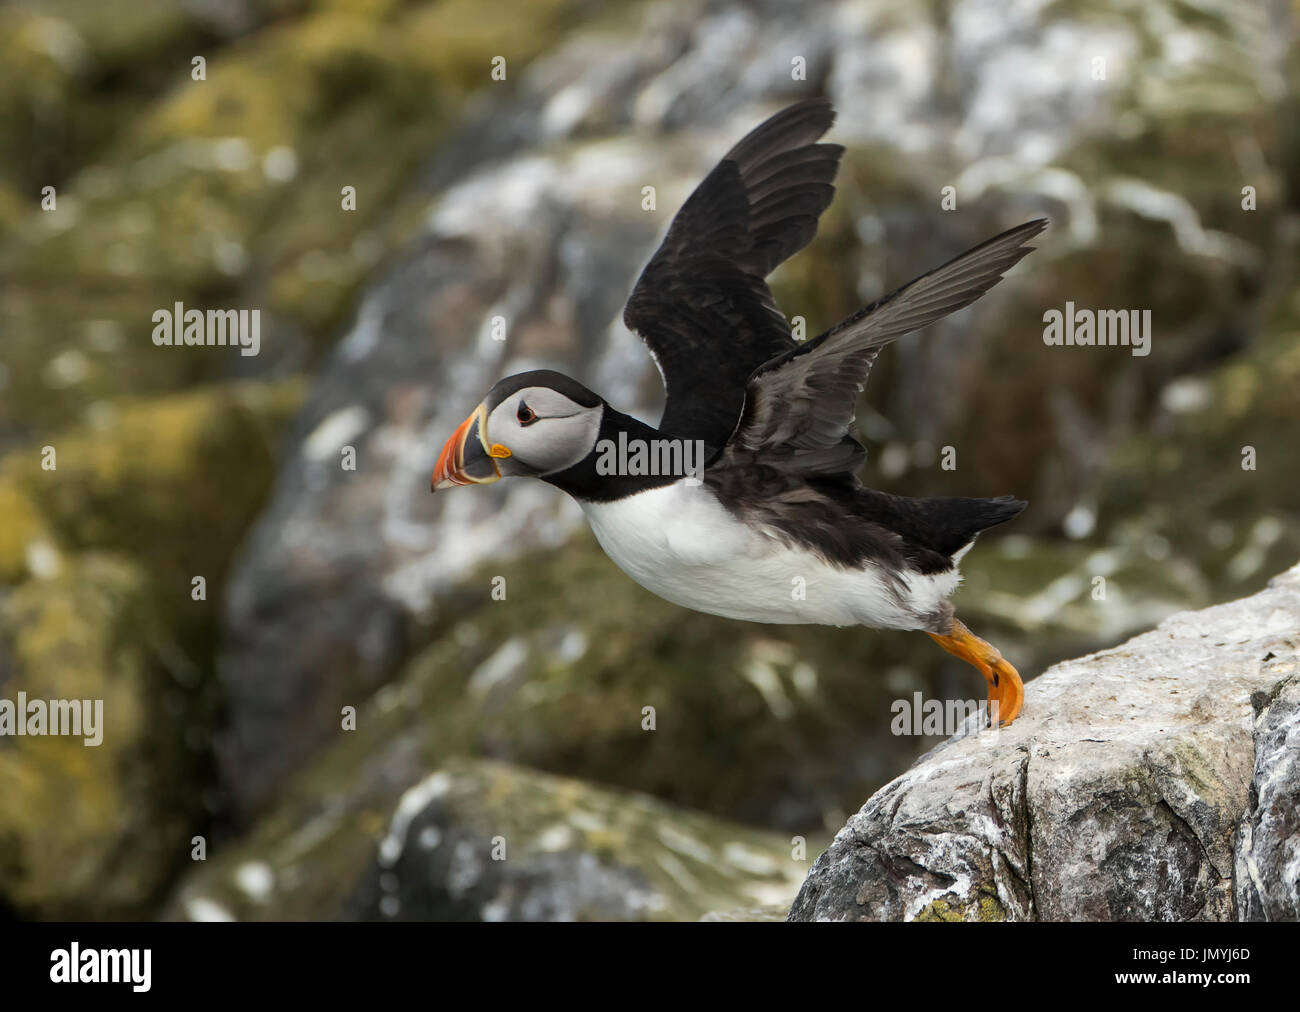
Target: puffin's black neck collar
pixel 585 480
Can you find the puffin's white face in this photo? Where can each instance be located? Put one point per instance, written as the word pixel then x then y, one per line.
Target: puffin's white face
pixel 544 430
pixel 531 430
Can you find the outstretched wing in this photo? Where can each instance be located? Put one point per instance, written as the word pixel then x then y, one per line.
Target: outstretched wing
pixel 701 304
pixel 799 406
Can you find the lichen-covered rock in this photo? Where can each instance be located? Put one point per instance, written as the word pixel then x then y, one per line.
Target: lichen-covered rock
pixel 22 531
pixel 98 552
pixel 475 840
pixel 173 481
pixel 57 56
pixel 1148 782
pixel 91 830
pixel 203 191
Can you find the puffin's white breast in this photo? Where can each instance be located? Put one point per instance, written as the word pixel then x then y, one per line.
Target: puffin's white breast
pixel 680 543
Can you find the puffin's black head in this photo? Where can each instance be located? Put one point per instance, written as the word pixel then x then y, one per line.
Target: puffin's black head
pixel 533 423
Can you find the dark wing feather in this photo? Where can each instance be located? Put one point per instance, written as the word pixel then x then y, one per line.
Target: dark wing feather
pixel 799 406
pixel 701 304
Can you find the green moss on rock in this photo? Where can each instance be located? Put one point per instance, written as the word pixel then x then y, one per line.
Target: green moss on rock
pixel 172 481
pixel 215 197
pixel 981 905
pixel 90 831
pixel 21 527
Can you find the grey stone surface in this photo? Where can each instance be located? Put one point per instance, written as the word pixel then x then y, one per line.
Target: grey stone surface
pixel 1154 781
pixel 1268 844
pixel 475 840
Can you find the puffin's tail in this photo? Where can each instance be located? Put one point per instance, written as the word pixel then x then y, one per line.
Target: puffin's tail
pixel 955 521
pixel 944 525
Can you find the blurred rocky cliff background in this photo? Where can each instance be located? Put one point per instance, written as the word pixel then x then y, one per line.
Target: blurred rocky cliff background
pixel 480 723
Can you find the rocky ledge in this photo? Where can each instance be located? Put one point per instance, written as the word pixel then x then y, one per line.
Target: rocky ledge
pixel 1159 780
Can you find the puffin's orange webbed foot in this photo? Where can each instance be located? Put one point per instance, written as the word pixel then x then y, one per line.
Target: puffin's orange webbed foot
pixel 1006 690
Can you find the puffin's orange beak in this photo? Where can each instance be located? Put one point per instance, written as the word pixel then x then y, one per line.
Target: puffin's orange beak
pixel 467 459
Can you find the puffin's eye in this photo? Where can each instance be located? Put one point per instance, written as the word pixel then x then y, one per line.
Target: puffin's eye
pixel 525 415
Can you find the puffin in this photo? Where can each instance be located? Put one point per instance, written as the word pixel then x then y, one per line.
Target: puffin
pixel 749 507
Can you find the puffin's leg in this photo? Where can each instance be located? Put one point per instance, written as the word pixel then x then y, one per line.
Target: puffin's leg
pixel 1006 690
